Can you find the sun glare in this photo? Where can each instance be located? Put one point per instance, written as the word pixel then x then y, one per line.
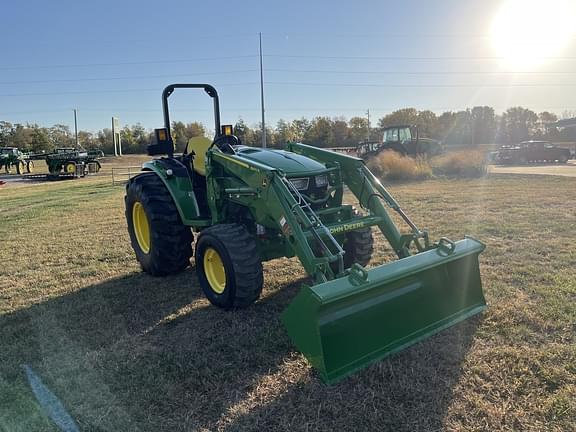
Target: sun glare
pixel 525 33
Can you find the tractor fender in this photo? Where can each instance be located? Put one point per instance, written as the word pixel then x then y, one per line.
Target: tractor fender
pixel 179 184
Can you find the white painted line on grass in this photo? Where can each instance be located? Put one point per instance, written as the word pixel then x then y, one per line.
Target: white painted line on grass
pixel 50 402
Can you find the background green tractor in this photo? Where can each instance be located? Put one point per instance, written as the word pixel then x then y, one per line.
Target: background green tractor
pixel 13 158
pixel 248 205
pixel 403 139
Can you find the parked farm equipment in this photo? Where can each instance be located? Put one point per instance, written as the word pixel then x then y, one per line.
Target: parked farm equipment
pixel 13 158
pixel 70 162
pixel 250 205
pixel 404 139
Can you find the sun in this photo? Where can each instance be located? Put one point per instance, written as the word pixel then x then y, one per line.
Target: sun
pixel 527 33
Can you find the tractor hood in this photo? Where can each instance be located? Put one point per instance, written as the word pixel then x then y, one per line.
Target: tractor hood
pixel 290 163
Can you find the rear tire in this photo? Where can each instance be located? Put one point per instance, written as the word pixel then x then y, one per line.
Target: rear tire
pixel 162 243
pixel 228 266
pixel 29 167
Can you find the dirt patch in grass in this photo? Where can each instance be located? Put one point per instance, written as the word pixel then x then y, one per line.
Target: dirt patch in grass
pixel 125 351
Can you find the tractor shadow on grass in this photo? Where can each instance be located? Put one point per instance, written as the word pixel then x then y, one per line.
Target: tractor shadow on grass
pixel 142 353
pixel 409 391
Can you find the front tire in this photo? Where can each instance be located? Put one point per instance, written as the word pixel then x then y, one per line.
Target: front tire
pixel 162 243
pixel 359 246
pixel 228 266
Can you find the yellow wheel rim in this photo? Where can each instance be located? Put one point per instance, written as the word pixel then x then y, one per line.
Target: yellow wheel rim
pixel 141 227
pixel 214 269
pixel 70 168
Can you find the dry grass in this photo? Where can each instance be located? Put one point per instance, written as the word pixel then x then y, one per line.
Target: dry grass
pixel 128 352
pixel 464 163
pixel 393 166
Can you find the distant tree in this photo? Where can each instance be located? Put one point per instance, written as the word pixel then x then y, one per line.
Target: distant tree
pixel 299 128
pixel 39 139
pixel 87 140
pixel 5 133
pixel 520 124
pixel 320 133
pixel 542 129
pixel 128 142
pixel 60 136
pixel 341 132
pixel 427 123
pixel 182 132
pixel 445 122
pixel 456 128
pixel 21 136
pixel 283 133
pixel 256 139
pixel 104 139
pixel 240 129
pixel 247 135
pixel 482 125
pixel 357 130
pixel 407 116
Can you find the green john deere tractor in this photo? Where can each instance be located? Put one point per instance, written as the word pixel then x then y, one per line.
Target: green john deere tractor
pixel 12 157
pixel 248 205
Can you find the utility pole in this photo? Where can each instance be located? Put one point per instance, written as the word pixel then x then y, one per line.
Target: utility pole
pixel 262 94
pixel 368 129
pixel 76 127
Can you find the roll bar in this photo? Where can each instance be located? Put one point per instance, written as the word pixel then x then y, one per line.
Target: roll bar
pixel 211 91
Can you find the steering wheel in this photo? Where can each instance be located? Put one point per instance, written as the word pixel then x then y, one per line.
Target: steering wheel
pixel 226 142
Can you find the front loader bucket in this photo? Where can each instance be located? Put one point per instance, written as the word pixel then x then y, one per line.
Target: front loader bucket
pixel 345 324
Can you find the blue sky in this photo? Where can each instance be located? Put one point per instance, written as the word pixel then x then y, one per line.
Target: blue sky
pixel 321 58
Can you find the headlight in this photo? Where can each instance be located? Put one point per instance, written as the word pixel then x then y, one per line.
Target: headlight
pixel 300 183
pixel 321 180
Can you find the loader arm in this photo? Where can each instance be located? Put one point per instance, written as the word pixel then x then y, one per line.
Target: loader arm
pixel 371 195
pixel 347 323
pixel 272 198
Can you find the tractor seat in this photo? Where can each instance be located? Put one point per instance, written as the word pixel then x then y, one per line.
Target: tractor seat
pixel 199 145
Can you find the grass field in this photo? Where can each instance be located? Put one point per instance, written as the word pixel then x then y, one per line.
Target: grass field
pixel 125 352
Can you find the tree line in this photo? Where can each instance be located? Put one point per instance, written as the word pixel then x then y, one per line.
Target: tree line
pixel 470 127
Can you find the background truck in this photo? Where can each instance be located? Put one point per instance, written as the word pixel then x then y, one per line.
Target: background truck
pixel 531 152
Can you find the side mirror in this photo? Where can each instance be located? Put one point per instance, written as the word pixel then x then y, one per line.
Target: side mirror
pixel 163 144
